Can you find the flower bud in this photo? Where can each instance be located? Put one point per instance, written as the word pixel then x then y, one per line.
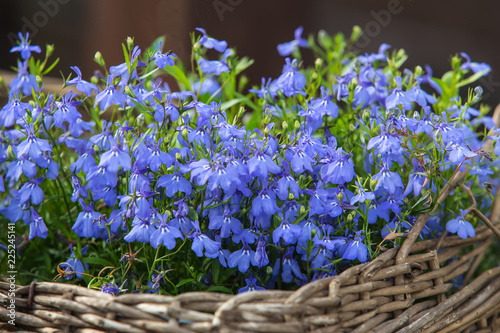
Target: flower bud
pixel 33 104
pixel 416 115
pixel 352 128
pixel 418 71
pixel 291 196
pixel 297 124
pixel 140 119
pixel 241 112
pixel 349 218
pixel 302 210
pixel 49 50
pixel 129 91
pixel 178 157
pixel 98 58
pixel 196 46
pixel 39 80
pixel 185 134
pixel 313 233
pixel 269 270
pixel 284 125
pixel 318 63
pixel 373 183
pixel 356 33
pixel 130 43
pixel 94 80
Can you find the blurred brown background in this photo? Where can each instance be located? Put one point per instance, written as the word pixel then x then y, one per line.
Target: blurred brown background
pixel 430 31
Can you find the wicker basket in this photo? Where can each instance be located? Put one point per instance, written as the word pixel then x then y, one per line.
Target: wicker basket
pixel 403 290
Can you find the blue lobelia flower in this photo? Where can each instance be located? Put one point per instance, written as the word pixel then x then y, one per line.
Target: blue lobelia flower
pixel 242 258
pixel 24 47
pixel 290 233
pixel 110 96
pixel 474 66
pixel 261 256
pixel 24 80
pixel 291 81
pixel 141 231
pixel 264 203
pixel 37 226
pixel 66 110
pixel 174 183
pixel 13 111
pixel 459 152
pixel 268 88
pixel 32 146
pixel 252 285
pixel 387 179
pixel 260 164
pixel 74 265
pixel 385 142
pixel 356 249
pixel 416 94
pixel 461 226
pixel 398 97
pixel 84 225
pixel 287 184
pixel 165 234
pixel 21 166
pixel 116 157
pixel 324 105
pixel 85 160
pixel 226 223
pixel 362 195
pixel 82 85
pixel 2 185
pixel 163 59
pixel 203 242
pixel 287 48
pixel 78 190
pixel 31 190
pixel 216 67
pixel 288 266
pixel 211 43
pixel 111 288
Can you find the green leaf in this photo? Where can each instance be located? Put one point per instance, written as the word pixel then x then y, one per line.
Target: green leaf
pixel 96 261
pixel 215 271
pixel 179 75
pixel 243 64
pixel 471 79
pixel 220 289
pixel 184 281
pixel 228 104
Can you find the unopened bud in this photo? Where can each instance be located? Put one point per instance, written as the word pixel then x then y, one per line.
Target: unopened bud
pixel 373 183
pixel 302 210
pixel 418 71
pixel 98 58
pixel 140 119
pixel 168 214
pixel 291 196
pixel 297 124
pixel 49 50
pixel 94 80
pixel 269 270
pixel 241 111
pixel 356 33
pixel 178 157
pixel 129 91
pixel 39 80
pixel 130 43
pixel 313 233
pixel 284 125
pixel 352 128
pixel 318 63
pixel 196 46
pixel 349 218
pixel 416 115
pixel 32 103
pixel 185 134
pixel 478 93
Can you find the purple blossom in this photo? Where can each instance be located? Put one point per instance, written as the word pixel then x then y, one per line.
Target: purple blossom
pixel 251 285
pixel 24 47
pixel 37 226
pixel 82 85
pixel 461 226
pixel 163 59
pixel 242 258
pixel 165 234
pixel 287 48
pixel 31 190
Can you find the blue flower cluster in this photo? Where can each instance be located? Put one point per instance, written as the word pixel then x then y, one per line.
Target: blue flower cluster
pixel 341 157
